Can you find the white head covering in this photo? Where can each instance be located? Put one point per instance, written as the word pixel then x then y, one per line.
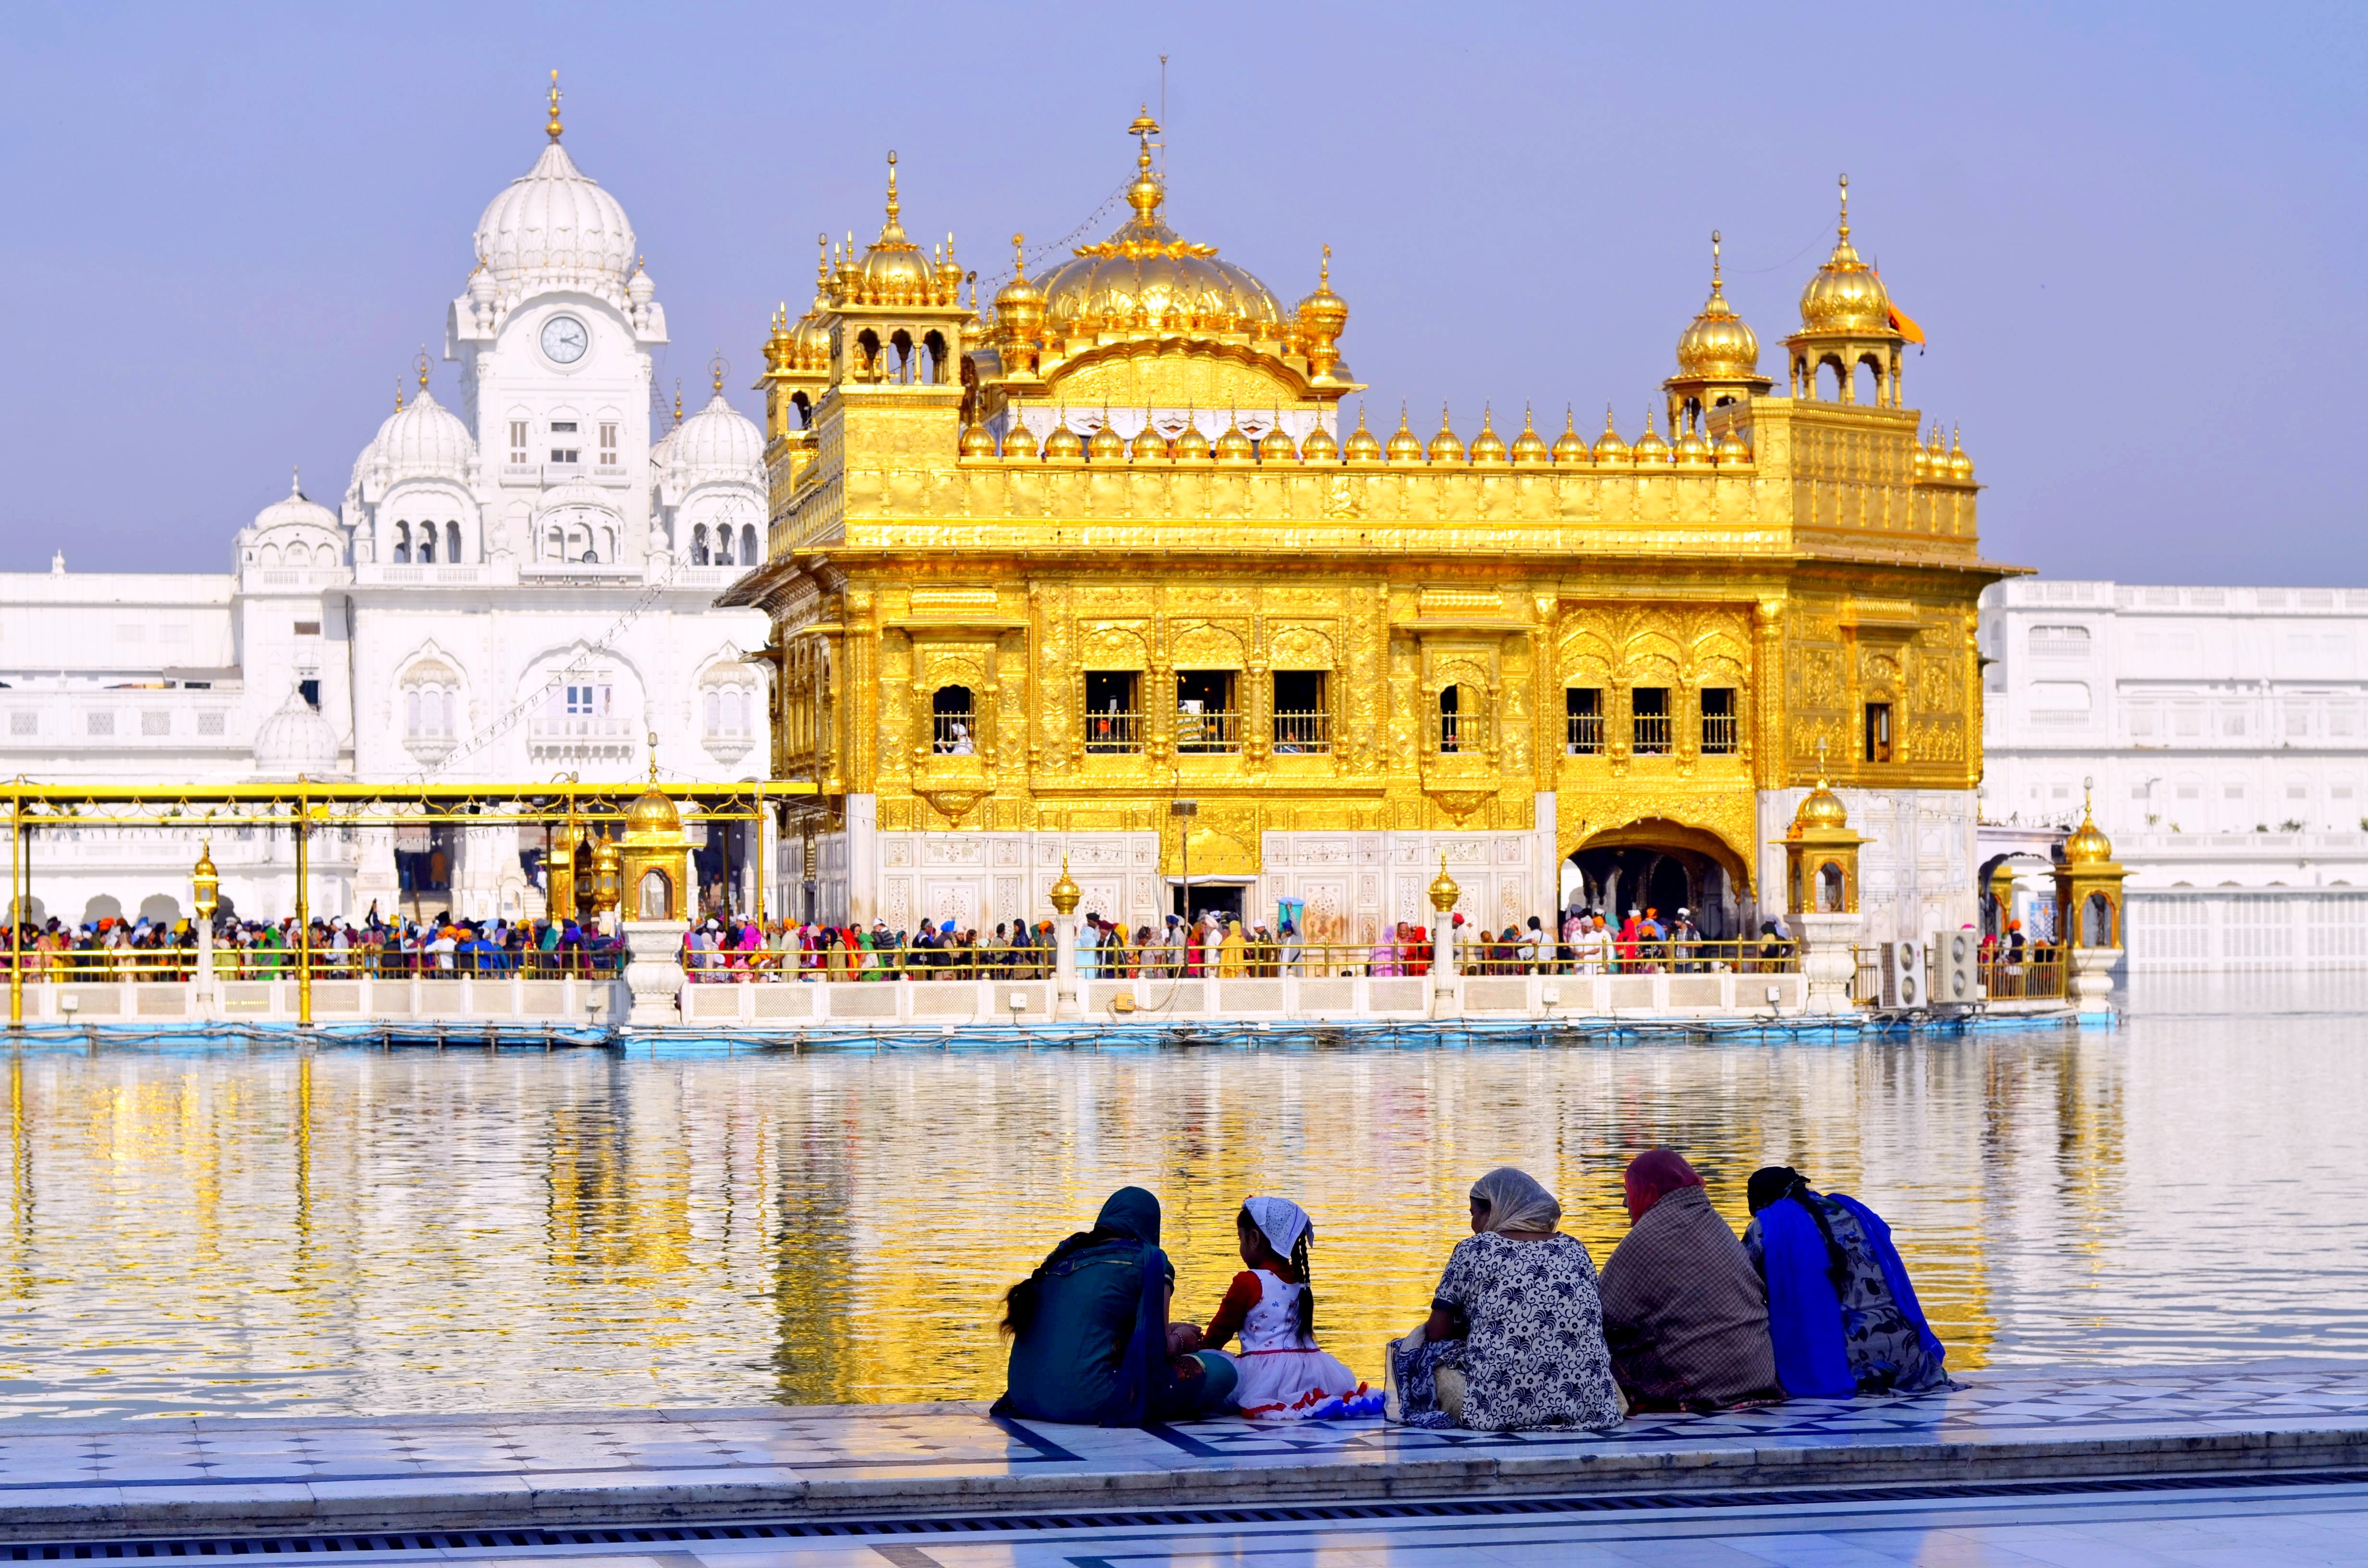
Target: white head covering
pixel 1516 1202
pixel 1280 1222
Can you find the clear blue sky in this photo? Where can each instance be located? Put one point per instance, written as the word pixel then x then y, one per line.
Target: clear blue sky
pixel 2132 231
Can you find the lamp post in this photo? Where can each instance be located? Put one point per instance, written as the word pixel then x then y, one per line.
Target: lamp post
pixel 1064 895
pixel 205 886
pixel 1443 895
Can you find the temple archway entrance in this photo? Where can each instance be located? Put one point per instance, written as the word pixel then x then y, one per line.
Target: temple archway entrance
pixel 1658 864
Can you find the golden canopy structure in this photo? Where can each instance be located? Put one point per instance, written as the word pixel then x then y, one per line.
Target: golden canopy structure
pixel 1038 573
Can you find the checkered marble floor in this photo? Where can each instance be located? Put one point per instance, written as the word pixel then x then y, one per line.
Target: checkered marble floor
pixel 273 1473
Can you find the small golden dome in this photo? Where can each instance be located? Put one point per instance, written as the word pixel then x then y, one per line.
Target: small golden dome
pixel 1064 445
pixel 893 271
pixel 1691 450
pixel 1650 449
pixel 2088 846
pixel 1529 446
pixel 1019 441
pixel 605 854
pixel 1718 346
pixel 1192 446
pixel 1822 809
pixel 1919 463
pixel 1960 467
pixel 1149 445
pixel 977 440
pixel 1064 893
pixel 1405 447
pixel 1487 447
pixel 1234 447
pixel 653 813
pixel 1571 447
pixel 1363 446
pixel 1107 446
pixel 1845 295
pixel 1276 447
pixel 1323 315
pixel 1319 447
pixel 1443 891
pixel 1020 304
pixel 1446 447
pixel 1731 450
pixel 1608 446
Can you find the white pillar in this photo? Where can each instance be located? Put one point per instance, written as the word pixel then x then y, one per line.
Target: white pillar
pixel 1827 958
pixel 2088 981
pixel 654 974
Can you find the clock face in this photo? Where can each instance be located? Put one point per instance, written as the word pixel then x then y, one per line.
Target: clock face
pixel 564 340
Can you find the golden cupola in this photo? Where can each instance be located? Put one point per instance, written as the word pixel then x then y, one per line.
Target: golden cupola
pixel 1529 446
pixel 1608 446
pixel 892 315
pixel 1847 322
pixel 1405 447
pixel 1362 446
pixel 1446 447
pixel 1020 313
pixel 1651 452
pixel 2087 845
pixel 1323 316
pixel 797 357
pixel 1570 447
pixel 893 271
pixel 1319 447
pixel 1718 357
pixel 1488 447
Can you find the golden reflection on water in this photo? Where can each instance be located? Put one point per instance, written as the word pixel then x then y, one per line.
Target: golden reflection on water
pixel 368 1233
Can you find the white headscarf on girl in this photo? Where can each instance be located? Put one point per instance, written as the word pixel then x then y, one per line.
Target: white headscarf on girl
pixel 1280 1222
pixel 1515 1200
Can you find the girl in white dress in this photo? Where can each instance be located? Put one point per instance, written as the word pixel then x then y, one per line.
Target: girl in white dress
pixel 1284 1377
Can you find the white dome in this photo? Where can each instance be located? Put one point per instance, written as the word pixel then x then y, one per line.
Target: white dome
pixel 426 440
pixel 295 739
pixel 296 510
pixel 554 224
pixel 719 442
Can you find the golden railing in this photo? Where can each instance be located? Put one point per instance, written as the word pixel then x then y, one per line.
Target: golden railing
pixel 1249 960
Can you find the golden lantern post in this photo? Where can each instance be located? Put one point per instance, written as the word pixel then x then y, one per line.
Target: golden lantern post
pixel 303 911
pixel 205 897
pixel 1444 1000
pixel 2088 914
pixel 1064 895
pixel 1821 896
pixel 19 907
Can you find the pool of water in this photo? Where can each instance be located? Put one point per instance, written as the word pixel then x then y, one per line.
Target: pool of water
pixel 253 1231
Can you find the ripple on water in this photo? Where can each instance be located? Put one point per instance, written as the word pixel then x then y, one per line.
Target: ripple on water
pixel 353 1232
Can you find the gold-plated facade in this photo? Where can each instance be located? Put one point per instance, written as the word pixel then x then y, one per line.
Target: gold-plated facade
pixel 1621 645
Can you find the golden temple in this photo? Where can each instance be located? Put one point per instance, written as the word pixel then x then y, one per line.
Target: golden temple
pixel 1039 574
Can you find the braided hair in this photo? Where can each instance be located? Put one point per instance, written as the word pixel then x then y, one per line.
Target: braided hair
pixel 1305 1310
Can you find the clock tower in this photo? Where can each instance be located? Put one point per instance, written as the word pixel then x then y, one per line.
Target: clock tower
pixel 553 338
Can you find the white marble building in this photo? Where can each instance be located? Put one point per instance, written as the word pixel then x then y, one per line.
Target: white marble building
pixel 518 589
pixel 2223 730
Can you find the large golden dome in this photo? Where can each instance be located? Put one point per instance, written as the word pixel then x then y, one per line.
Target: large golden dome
pixel 1718 346
pixel 893 271
pixel 653 813
pixel 1145 278
pixel 1845 295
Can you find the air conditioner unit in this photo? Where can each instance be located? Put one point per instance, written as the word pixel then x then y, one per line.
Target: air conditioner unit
pixel 1956 977
pixel 1903 975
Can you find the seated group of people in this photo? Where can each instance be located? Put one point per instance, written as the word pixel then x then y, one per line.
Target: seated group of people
pixel 1811 1301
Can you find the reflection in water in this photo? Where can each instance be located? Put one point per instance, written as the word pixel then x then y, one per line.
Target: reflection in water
pixel 355 1231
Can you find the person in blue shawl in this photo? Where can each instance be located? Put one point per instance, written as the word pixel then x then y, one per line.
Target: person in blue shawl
pixel 1841 1312
pixel 1089 1331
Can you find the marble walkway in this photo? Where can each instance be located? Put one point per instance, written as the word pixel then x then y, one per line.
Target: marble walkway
pixel 63 1481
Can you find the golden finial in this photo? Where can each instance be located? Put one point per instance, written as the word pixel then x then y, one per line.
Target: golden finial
pixel 822 261
pixel 398 395
pixel 419 363
pixel 1144 127
pixel 717 368
pixel 1845 224
pixel 553 128
pixel 653 756
pixel 1608 425
pixel 1714 261
pixel 894 207
pixel 678 400
pixel 1323 273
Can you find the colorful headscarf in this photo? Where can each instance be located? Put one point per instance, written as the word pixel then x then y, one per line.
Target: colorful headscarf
pixel 1653 1175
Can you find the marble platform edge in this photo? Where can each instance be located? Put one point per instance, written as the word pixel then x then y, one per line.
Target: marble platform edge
pixel 702 1414
pixel 130 1510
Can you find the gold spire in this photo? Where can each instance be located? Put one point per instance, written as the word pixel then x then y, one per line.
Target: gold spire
pixel 895 205
pixel 553 128
pixel 1844 232
pixel 398 395
pixel 678 402
pixel 420 363
pixel 717 368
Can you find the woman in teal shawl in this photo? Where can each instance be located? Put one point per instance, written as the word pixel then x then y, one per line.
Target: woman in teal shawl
pixel 1841 1312
pixel 1088 1329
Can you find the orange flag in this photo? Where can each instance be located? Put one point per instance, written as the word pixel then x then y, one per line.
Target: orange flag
pixel 1901 321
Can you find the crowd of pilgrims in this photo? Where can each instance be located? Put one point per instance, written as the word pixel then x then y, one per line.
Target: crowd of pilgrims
pixel 1811 1303
pixel 265 949
pixel 1215 944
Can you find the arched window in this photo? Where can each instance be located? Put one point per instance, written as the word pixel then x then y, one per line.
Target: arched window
pixel 402 543
pixel 951 717
pixel 607 544
pixel 747 544
pixel 1829 889
pixel 425 553
pixel 699 545
pixel 723 545
pixel 554 548
pixel 1451 718
pixel 903 343
pixel 452 541
pixel 2096 922
pixel 935 343
pixel 656 896
pixel 867 342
